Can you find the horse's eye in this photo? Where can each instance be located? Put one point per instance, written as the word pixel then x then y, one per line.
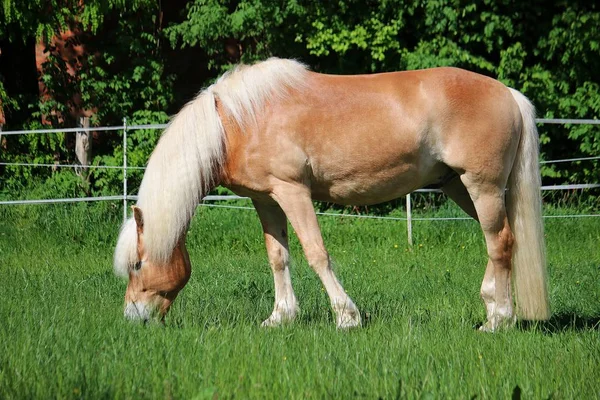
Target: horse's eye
pixel 137 266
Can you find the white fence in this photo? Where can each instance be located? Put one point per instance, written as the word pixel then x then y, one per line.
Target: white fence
pixel 125 197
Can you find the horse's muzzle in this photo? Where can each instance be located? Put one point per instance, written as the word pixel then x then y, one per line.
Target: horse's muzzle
pixel 139 311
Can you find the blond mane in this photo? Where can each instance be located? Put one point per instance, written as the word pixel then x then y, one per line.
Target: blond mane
pixel 189 156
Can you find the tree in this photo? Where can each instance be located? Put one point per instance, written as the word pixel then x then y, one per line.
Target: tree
pixel 121 73
pixel 145 58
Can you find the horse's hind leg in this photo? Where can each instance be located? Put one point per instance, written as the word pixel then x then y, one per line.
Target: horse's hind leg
pixel 274 226
pixel 496 287
pixel 457 191
pixel 295 200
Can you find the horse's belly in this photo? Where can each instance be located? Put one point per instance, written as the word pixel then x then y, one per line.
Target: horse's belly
pixel 349 193
pixel 374 186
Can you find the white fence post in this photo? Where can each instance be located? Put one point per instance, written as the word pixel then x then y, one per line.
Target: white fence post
pixel 124 169
pixel 409 220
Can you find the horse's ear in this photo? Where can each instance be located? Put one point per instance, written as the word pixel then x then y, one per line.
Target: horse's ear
pixel 139 218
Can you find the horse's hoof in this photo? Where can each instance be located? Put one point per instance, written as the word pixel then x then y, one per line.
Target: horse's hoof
pixel 498 323
pixel 349 321
pixel 269 323
pixel 487 327
pixel 279 318
pixel 349 325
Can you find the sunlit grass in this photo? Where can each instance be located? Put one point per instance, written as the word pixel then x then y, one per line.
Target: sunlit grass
pixel 62 333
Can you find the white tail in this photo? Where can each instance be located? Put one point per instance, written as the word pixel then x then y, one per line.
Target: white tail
pixel 524 206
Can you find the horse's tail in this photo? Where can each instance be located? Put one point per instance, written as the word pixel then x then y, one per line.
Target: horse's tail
pixel 524 206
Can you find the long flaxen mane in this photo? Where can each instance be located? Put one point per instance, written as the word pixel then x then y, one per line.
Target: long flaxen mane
pixel 190 154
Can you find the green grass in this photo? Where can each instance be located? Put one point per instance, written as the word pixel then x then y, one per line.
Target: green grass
pixel 62 334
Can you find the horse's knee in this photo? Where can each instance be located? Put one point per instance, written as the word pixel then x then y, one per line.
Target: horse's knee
pixel 318 259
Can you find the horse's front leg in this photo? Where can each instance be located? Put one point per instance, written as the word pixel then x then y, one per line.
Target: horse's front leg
pixel 296 202
pixel 274 224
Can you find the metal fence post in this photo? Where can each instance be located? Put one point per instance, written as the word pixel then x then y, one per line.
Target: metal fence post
pixel 409 220
pixel 124 169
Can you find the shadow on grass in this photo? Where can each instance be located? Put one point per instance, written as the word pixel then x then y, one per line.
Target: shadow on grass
pixel 562 323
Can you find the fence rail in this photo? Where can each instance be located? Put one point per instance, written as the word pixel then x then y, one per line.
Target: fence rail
pixel 125 197
pixel 542 121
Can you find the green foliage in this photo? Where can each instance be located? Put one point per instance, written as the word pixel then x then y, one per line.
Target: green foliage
pixel 231 31
pixel 6 102
pixel 550 51
pixel 45 18
pixel 140 144
pixel 121 74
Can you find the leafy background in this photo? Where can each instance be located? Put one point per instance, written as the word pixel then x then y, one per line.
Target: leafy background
pixel 146 58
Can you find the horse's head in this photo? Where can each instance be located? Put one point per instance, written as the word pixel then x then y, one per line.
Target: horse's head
pixel 152 286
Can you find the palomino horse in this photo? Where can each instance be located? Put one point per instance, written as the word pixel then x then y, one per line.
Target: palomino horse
pixel 283 136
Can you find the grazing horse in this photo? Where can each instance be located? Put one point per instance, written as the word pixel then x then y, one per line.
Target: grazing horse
pixel 285 136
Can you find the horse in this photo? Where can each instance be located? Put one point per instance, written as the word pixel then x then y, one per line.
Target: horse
pixel 283 135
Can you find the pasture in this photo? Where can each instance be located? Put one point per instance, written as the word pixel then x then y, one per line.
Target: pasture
pixel 62 333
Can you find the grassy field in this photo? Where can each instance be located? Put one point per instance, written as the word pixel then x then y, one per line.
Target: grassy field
pixel 62 334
